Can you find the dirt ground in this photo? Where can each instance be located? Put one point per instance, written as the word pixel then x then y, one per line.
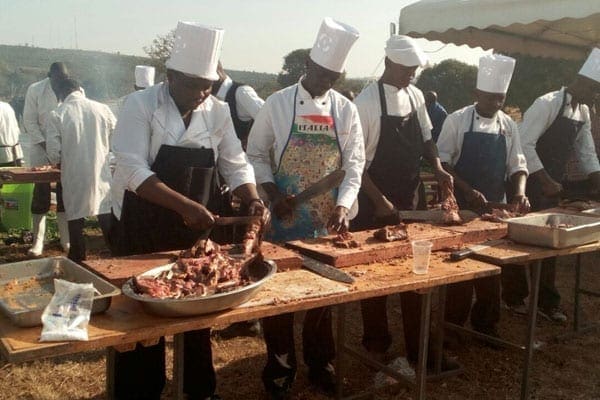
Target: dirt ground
pixel 563 369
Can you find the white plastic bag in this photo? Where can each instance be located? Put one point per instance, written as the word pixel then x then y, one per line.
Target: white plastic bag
pixel 67 315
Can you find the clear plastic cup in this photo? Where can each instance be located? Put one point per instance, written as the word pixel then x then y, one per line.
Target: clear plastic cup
pixel 421 251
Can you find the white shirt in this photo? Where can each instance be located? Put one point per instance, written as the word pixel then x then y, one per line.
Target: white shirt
pixel 271 130
pixel 398 104
pixel 39 101
pixel 538 118
pixel 9 134
pixel 150 118
pixel 78 133
pixel 456 124
pixel 248 103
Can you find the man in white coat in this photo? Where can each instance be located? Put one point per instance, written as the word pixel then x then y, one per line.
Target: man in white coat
pixel 77 138
pixel 144 78
pixel 40 100
pixel 11 154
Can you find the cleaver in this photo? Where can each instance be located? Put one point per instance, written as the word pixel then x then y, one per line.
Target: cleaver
pixel 323 185
pixel 474 248
pixel 326 270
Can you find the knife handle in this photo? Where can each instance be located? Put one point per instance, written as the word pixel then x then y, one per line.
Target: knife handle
pixel 460 254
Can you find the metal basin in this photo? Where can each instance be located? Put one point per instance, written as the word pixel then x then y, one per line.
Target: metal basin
pixel 26 287
pixel 535 229
pixel 259 272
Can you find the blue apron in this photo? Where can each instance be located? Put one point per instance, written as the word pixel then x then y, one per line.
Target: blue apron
pixel 482 163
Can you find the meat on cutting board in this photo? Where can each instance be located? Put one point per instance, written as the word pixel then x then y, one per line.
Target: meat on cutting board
pixel 450 208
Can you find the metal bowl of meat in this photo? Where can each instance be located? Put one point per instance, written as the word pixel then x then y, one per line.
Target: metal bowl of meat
pixel 181 300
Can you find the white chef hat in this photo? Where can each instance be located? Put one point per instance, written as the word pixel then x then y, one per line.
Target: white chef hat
pixel 144 76
pixel 591 67
pixel 495 72
pixel 333 44
pixel 404 50
pixel 196 50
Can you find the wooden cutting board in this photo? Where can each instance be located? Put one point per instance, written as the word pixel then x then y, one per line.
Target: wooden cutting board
pixel 371 249
pixel 118 270
pixel 478 230
pixel 27 175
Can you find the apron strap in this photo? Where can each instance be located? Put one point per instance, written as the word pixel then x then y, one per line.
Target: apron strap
pixel 497 117
pixel 383 102
pixel 291 128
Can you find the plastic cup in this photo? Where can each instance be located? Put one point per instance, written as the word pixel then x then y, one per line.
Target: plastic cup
pixel 421 251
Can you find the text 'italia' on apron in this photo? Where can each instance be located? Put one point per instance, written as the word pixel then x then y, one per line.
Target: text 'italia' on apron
pixel 482 163
pixel 396 164
pixel 554 148
pixel 312 151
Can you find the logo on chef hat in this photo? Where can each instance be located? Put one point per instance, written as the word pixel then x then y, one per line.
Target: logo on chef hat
pixel 324 42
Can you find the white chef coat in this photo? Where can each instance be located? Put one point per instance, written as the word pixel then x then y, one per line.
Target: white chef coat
pixel 248 103
pixel 9 134
pixel 398 104
pixel 77 137
pixel 150 118
pixel 456 124
pixel 40 100
pixel 271 130
pixel 538 118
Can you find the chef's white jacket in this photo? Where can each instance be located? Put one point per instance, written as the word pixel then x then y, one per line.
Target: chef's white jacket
pixel 456 124
pixel 248 103
pixel 538 118
pixel 398 104
pixel 271 130
pixel 150 118
pixel 77 137
pixel 40 100
pixel 9 134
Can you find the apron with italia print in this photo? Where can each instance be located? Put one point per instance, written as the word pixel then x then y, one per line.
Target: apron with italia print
pixel 311 152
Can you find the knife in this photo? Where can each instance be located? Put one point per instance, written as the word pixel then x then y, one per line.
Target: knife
pixel 237 220
pixel 326 270
pixel 432 215
pixel 472 249
pixel 323 185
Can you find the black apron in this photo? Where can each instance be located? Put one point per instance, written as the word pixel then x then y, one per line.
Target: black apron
pixel 554 148
pixel 146 227
pixel 242 128
pixel 482 164
pixel 396 164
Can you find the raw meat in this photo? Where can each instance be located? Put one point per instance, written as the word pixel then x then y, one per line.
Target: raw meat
pixel 391 233
pixel 345 241
pixel 499 215
pixel 450 215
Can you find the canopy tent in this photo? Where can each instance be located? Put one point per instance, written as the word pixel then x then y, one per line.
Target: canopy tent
pixel 549 28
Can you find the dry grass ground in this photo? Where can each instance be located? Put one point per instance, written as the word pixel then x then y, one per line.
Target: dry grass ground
pixel 563 369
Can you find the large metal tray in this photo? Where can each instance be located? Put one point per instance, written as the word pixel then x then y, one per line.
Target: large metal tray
pixel 535 229
pixel 26 287
pixel 260 272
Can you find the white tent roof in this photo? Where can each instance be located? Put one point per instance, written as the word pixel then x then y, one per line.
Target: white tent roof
pixel 550 28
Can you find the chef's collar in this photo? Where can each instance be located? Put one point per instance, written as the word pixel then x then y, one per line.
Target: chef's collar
pixel 303 94
pixel 75 94
pixel 224 88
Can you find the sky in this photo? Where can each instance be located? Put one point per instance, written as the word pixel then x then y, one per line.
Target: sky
pixel 258 33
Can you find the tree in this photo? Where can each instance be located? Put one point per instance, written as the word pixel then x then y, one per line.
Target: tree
pixel 293 67
pixel 160 50
pixel 453 81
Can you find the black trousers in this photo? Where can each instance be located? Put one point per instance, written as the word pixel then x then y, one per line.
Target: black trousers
pixel 140 374
pixel 317 341
pixel 77 251
pixel 485 313
pixel 40 202
pixel 515 289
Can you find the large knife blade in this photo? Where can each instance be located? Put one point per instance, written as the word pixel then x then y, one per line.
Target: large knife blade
pixel 244 220
pixel 474 248
pixel 326 270
pixel 432 215
pixel 323 185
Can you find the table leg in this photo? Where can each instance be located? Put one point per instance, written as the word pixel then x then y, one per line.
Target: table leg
pixel 529 346
pixel 110 373
pixel 341 343
pixel 421 373
pixel 576 315
pixel 440 326
pixel 178 365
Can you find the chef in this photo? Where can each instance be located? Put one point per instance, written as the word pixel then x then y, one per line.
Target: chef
pixel 77 138
pixel 556 126
pixel 144 78
pixel 40 100
pixel 397 133
pixel 479 144
pixel 11 153
pixel 305 132
pixel 169 141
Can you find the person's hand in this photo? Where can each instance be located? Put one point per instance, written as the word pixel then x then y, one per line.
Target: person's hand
pixel 197 217
pixel 281 206
pixel 444 179
pixel 476 199
pixel 521 204
pixel 258 208
pixel 551 188
pixel 384 209
pixel 339 222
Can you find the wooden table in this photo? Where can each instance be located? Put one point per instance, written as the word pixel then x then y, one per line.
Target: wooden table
pixel 125 323
pixel 27 175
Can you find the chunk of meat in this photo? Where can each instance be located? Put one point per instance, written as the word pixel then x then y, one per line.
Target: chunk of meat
pixel 450 215
pixel 253 238
pixel 345 240
pixel 499 215
pixel 391 233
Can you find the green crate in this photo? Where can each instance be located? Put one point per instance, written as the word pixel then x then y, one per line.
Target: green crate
pixel 15 206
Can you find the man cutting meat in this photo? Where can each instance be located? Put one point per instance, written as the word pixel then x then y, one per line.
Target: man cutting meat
pixel 307 131
pixel 168 142
pixel 479 144
pixel 397 134
pixel 555 127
